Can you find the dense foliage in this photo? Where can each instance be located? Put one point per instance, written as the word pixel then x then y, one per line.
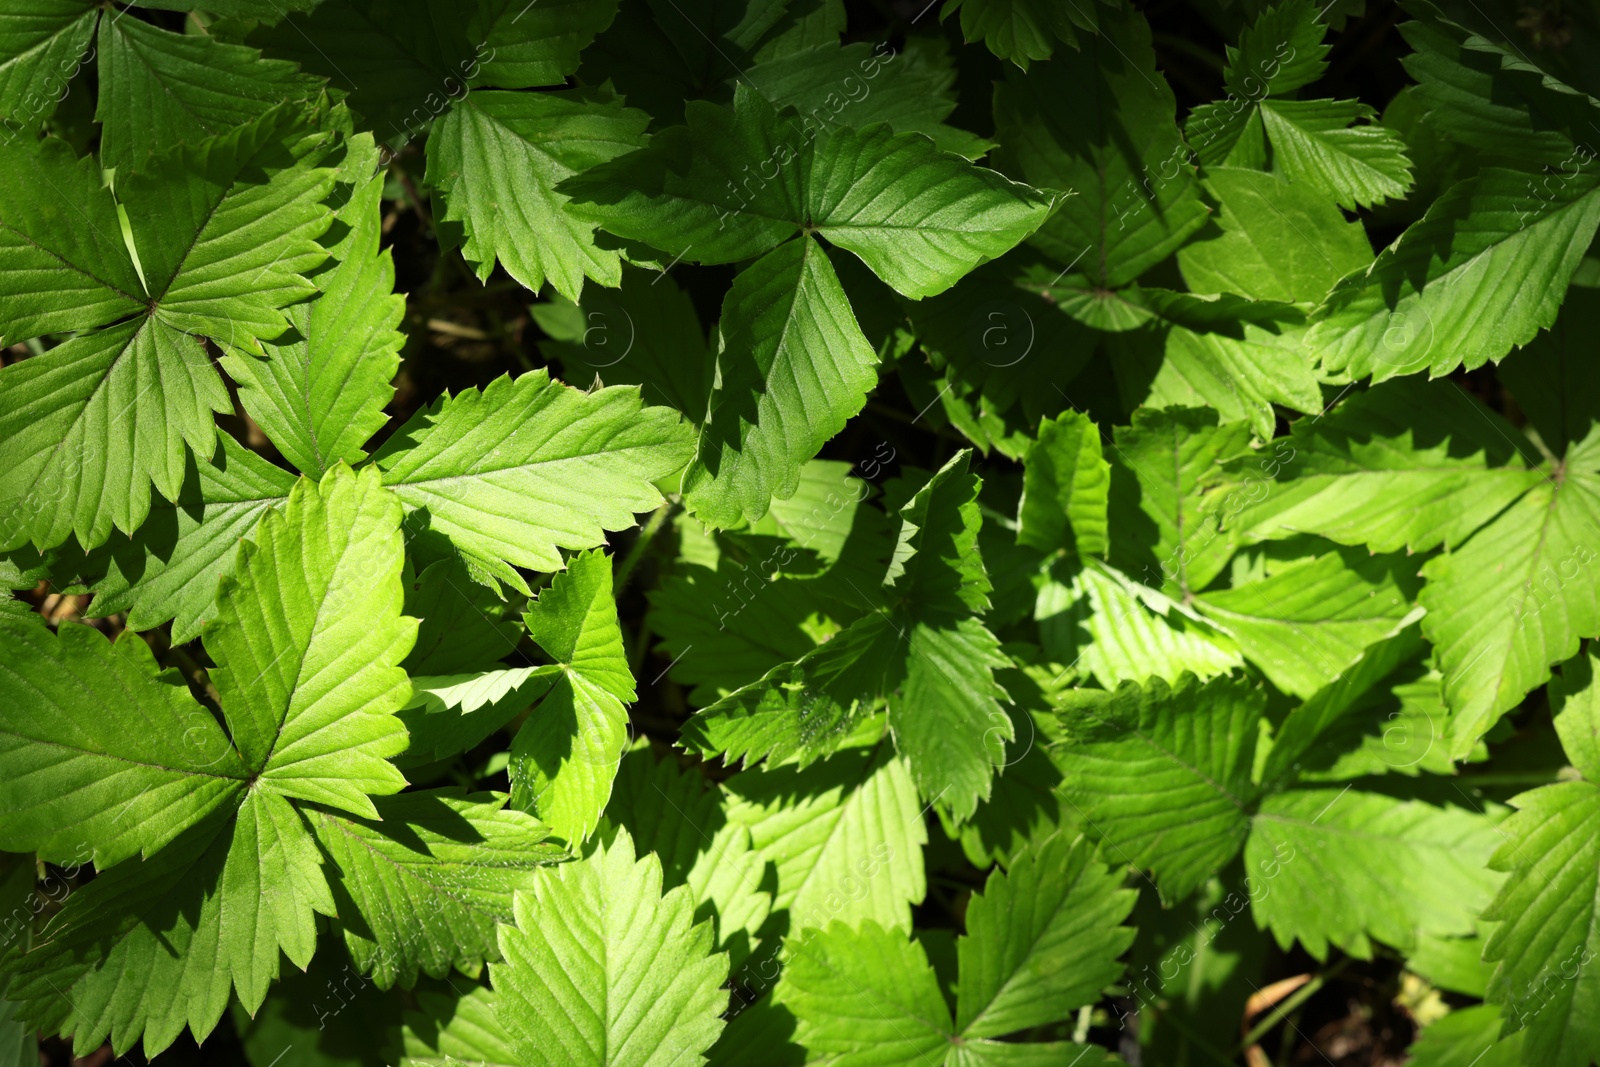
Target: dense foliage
pixel 1086 605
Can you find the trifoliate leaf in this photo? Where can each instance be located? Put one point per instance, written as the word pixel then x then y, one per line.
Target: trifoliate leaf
pixel 1119 149
pixel 159 89
pixel 919 219
pixel 320 392
pixel 1515 599
pixel 566 755
pixel 1065 487
pixel 1042 939
pixel 845 835
pixel 1546 913
pixel 104 755
pixel 794 368
pixel 1434 301
pixel 1163 773
pixel 602 969
pixel 1409 466
pixel 497 158
pixel 1353 865
pixel 423 886
pixel 1279 240
pixel 475 460
pixel 169 568
pixel 1311 618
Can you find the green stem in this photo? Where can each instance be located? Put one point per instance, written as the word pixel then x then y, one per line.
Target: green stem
pixel 652 527
pixel 1277 1012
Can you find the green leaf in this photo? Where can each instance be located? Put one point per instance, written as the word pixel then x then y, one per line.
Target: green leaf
pixel 1310 619
pixel 837 84
pixel 448 1030
pixel 1434 301
pixel 169 568
pixel 601 968
pixel 1575 704
pixel 1314 142
pixel 918 218
pixel 102 754
pixel 453 713
pixel 1119 148
pixel 60 275
pixel 845 836
pixel 1515 599
pixel 1353 865
pixel 1043 939
pixel 1163 773
pixel 320 392
pixel 1546 914
pixel 423 886
pixel 1017 30
pixel 1409 466
pixel 865 995
pixel 1279 240
pixel 308 640
pixel 1065 488
pixel 794 368
pixel 529 47
pixel 159 89
pixel 42 44
pixel 566 755
pixel 474 461
pixel 91 423
pixel 464 628
pixel 1467 1037
pixel 497 158
pixel 1163 527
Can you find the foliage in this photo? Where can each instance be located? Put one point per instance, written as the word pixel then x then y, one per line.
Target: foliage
pixel 792 532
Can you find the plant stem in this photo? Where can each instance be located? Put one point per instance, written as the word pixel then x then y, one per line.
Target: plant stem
pixel 1277 1012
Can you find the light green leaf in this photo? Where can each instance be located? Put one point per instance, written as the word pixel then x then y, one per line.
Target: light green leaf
pixel 170 567
pixel 465 628
pixel 602 969
pixel 423 886
pixel 1064 488
pixel 1434 301
pixel 1547 936
pixel 452 713
pixel 102 754
pixel 1279 240
pixel 320 392
pixel 1310 619
pixel 1118 148
pixel 1575 704
pixel 1042 939
pixel 497 158
pixel 1163 773
pixel 308 640
pixel 1467 1037
pixel 159 89
pixel 845 835
pixel 865 995
pixel 1352 865
pixel 1314 142
pixel 456 1030
pixel 566 755
pixel 477 459
pixel 1160 468
pixel 1515 599
pixel 1410 466
pixel 794 368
